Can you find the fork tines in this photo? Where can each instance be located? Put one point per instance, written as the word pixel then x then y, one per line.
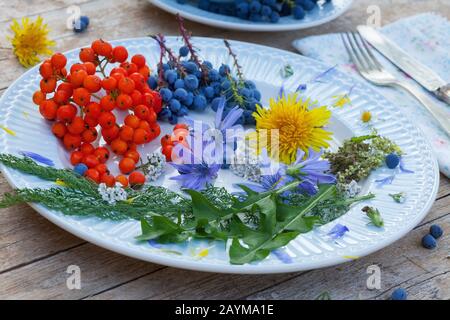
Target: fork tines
pixel 359 52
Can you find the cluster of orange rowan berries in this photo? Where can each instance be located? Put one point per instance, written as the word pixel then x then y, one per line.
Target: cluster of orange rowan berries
pixel 168 141
pixel 84 105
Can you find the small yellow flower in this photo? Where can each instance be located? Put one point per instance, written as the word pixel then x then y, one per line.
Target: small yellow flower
pixel 366 116
pixel 30 40
pixel 299 127
pixel 341 100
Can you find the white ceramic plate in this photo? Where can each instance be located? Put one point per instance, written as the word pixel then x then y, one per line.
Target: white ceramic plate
pixel 320 15
pixel 261 64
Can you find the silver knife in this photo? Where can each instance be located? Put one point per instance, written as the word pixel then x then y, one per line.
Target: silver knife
pixel 422 74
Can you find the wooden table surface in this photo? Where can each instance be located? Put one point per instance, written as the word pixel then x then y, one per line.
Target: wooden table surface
pixel 35 254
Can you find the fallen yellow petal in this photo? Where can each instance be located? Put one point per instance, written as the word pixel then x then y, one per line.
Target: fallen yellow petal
pixel 61 183
pixel 203 253
pixel 8 131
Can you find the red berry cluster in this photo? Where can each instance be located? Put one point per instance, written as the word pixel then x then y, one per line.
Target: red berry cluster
pixel 168 141
pixel 81 104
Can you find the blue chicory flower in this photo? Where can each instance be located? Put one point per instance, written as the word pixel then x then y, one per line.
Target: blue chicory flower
pixel 195 174
pixel 338 231
pixel 38 158
pixel 311 171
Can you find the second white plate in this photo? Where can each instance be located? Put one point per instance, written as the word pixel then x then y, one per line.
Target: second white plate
pixel 323 13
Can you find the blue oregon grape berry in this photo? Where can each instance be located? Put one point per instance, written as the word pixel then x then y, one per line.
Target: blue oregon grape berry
pixel 209 92
pixel 166 94
pixel 213 75
pixel 170 76
pixel 152 82
pixel 190 66
pixel 199 103
pixel 224 70
pixel 191 82
pixel 184 51
pixel 179 83
pixel 180 94
pixel 174 105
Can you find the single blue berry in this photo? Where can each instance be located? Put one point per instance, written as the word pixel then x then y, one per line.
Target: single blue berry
pixel 179 83
pixel 171 76
pixel 255 6
pixel 184 51
pixel 79 26
pixel 399 294
pixel 191 82
pixel 152 82
pixel 392 160
pixel 274 17
pixel 80 168
pixel 199 103
pixel 224 70
pixel 166 94
pixel 298 12
pixel 85 19
pixel 190 66
pixel 209 92
pixel 173 119
pixel 436 231
pixel 213 75
pixel 429 242
pixel 174 105
pixel 189 99
pixel 180 94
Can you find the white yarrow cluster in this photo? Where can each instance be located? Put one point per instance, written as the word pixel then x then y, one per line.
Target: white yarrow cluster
pixel 156 162
pixel 246 165
pixel 351 189
pixel 112 194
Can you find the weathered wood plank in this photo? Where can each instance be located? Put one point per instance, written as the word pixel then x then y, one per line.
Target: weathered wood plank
pixel 19 9
pixel 47 278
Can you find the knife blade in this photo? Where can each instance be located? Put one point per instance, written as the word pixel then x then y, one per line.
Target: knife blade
pixel 419 72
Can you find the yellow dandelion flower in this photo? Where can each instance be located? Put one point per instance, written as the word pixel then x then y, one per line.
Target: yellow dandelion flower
pixel 297 125
pixel 30 40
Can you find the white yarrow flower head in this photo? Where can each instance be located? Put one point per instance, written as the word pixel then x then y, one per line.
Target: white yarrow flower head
pixel 246 165
pixel 155 165
pixel 112 194
pixel 351 189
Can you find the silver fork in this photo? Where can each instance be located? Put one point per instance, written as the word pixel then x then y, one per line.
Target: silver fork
pixel 372 70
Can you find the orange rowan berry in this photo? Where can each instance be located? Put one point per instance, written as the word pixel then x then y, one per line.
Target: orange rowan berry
pixel 126 165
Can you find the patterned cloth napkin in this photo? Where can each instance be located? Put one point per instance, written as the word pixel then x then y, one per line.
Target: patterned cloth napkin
pixel 426 37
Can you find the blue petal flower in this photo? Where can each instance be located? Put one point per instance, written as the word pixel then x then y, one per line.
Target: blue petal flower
pixel 301 87
pixel 282 256
pixel 281 92
pixel 194 173
pixel 154 244
pixel 338 231
pixel 402 167
pixel 38 158
pixel 385 181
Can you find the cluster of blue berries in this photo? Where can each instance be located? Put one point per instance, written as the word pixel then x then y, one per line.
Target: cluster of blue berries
pixel 429 240
pixel 258 10
pixel 186 85
pixel 81 24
